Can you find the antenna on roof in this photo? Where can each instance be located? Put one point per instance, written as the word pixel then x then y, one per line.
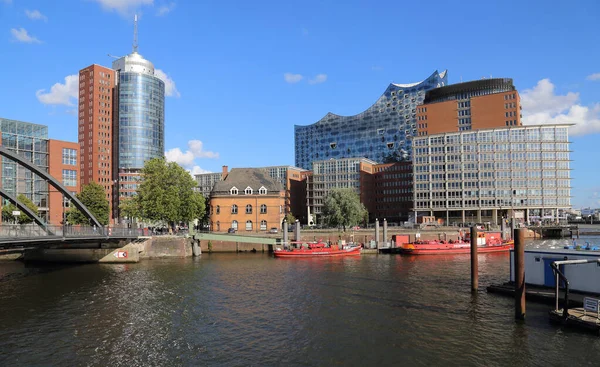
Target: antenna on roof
pixel 135 34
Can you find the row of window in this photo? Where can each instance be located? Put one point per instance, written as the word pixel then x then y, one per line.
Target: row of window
pixel 234 209
pixel 249 225
pixel 248 191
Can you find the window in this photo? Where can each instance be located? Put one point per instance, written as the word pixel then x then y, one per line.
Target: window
pixel 248 209
pixel 234 225
pixel 262 190
pixel 234 209
pixel 248 191
pixel 233 191
pixel 69 156
pixel 263 225
pixel 69 177
pixel 218 209
pixel 263 209
pixel 248 225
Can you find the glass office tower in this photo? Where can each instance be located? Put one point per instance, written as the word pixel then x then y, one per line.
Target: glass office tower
pixel 141 113
pixel 385 130
pixel 30 141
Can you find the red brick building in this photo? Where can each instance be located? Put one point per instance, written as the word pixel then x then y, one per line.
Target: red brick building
pixel 96 110
pixel 63 164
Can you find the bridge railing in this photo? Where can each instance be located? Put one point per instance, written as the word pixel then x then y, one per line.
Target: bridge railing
pixel 33 230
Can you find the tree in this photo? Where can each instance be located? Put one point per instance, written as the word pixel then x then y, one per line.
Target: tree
pixel 167 194
pixel 342 207
pixel 23 218
pixel 289 217
pixel 94 198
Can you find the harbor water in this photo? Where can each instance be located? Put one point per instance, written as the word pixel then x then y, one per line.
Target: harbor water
pixel 254 310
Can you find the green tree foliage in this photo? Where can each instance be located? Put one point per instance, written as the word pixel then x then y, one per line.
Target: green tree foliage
pixel 167 194
pixel 342 207
pixel 94 198
pixel 289 217
pixel 7 211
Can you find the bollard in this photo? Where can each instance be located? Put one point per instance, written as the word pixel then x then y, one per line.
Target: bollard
pixel 377 233
pixel 297 231
pixel 285 233
pixel 385 232
pixel 519 266
pixel 512 228
pixel 474 261
pixel 503 229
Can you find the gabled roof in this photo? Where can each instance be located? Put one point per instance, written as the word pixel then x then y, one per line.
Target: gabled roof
pixel 254 178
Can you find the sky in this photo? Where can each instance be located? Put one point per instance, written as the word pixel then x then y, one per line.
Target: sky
pixel 239 75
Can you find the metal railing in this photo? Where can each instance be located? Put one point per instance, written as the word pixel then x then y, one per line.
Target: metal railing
pixel 33 230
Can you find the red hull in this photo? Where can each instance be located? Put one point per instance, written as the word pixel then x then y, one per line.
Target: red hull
pixel 318 252
pixel 438 248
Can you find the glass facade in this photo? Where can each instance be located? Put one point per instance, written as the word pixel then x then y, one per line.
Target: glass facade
pixel 141 119
pixel 384 129
pixel 30 141
pixel 522 168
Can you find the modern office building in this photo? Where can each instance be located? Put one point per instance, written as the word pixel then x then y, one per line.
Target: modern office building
pixel 96 130
pixel 121 123
pixel 385 129
pixel 64 166
pixel 206 181
pixel 519 172
pixel 30 141
pixel 391 196
pixel 353 173
pixel 248 200
pixel 474 105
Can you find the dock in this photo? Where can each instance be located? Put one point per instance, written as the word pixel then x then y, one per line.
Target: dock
pixel 537 294
pixel 577 317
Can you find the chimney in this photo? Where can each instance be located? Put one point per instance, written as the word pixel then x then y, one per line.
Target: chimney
pixel 224 172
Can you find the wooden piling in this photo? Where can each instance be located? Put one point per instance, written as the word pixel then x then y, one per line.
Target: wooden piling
pixel 474 261
pixel 519 266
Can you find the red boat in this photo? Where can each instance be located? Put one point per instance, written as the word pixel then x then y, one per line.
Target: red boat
pixel 486 243
pixel 319 249
pixel 450 247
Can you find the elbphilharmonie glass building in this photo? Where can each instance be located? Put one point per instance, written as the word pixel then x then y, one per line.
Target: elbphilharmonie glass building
pixel 385 129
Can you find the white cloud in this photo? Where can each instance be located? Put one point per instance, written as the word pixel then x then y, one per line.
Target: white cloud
pixel 7 1
pixel 36 15
pixel 165 9
pixel 61 94
pixel 21 35
pixel 196 170
pixel 542 106
pixel 320 78
pixel 595 76
pixel 292 78
pixel 123 7
pixel 187 158
pixel 170 88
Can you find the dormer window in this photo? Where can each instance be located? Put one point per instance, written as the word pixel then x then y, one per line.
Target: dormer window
pixel 262 190
pixel 233 191
pixel 248 191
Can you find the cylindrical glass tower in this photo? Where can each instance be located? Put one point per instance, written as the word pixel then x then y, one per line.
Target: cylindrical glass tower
pixel 141 113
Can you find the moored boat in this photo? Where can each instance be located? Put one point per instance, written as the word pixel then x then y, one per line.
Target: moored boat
pixel 451 247
pixel 319 249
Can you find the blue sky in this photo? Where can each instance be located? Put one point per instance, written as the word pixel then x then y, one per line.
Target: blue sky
pixel 241 74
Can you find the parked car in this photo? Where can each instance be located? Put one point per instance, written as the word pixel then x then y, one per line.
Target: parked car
pixel 231 230
pixel 273 230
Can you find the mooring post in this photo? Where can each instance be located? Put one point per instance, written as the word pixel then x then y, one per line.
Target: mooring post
pixel 474 261
pixel 503 229
pixel 519 266
pixel 285 233
pixel 385 231
pixel 512 228
pixel 377 233
pixel 297 231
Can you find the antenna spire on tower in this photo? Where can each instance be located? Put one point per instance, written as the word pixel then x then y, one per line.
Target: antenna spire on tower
pixel 135 34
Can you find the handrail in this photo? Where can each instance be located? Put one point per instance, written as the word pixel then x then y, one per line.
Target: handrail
pixel 556 269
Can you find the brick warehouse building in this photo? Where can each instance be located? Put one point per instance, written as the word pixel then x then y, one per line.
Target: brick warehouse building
pixel 247 200
pixel 63 165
